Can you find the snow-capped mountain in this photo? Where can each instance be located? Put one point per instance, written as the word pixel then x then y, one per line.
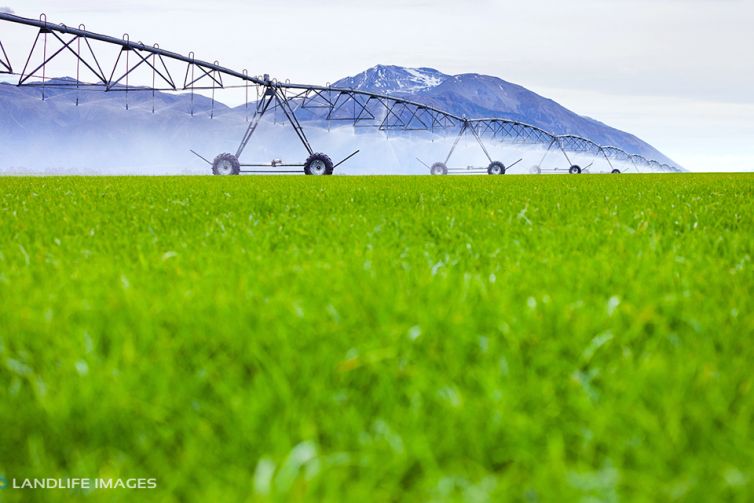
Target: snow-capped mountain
pixel 394 80
pixel 478 96
pixel 56 133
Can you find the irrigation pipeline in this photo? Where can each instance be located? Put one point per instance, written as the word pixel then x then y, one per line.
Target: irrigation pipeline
pixel 161 69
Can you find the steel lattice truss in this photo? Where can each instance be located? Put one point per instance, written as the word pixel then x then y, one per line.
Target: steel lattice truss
pixel 4 61
pixel 137 67
pixel 619 155
pixel 579 145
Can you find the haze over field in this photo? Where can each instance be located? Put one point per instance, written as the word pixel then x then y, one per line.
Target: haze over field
pixel 99 136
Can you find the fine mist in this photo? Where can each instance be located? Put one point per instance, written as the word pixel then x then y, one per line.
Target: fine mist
pixel 99 136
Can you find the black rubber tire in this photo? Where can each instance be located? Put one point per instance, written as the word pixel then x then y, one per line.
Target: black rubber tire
pixel 226 164
pixel 439 168
pixel 496 168
pixel 615 171
pixel 320 159
pixel 575 170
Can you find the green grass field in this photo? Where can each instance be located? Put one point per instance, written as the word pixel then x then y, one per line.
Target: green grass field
pixel 561 338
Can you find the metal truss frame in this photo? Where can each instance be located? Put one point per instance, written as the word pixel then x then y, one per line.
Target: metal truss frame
pixel 580 145
pixel 5 66
pixel 620 155
pixel 298 102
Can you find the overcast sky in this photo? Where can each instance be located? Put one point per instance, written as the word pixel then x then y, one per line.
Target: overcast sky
pixel 677 73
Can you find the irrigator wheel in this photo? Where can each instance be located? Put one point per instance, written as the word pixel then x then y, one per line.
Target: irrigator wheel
pixel 318 164
pixel 575 170
pixel 226 164
pixel 439 168
pixel 496 168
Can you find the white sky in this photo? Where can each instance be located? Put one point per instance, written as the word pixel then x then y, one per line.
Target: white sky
pixel 677 73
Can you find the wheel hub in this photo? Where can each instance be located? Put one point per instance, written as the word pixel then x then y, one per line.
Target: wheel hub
pixel 318 167
pixel 225 167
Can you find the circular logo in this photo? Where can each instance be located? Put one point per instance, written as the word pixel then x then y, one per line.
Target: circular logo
pixel 3 482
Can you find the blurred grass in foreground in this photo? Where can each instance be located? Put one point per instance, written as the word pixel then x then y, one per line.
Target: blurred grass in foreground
pixel 373 339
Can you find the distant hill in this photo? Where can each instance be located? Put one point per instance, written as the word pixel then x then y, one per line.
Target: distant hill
pixel 99 136
pixel 475 96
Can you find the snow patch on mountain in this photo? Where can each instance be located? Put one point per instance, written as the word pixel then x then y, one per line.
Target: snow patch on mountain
pixel 389 79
